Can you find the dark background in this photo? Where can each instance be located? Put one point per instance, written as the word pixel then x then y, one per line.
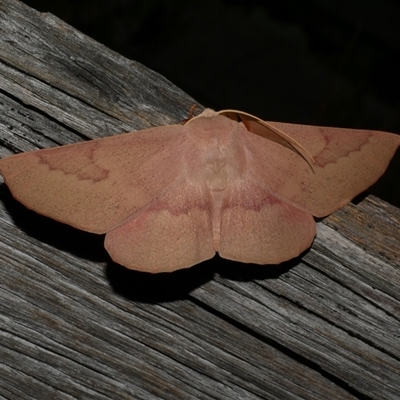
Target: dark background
pixel 324 62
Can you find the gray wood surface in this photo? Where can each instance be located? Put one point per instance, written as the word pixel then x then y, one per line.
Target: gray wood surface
pixel 75 325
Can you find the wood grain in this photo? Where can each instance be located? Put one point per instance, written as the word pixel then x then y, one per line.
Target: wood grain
pixel 75 325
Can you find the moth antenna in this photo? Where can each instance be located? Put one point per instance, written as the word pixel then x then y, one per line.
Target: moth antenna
pixel 266 130
pixel 191 114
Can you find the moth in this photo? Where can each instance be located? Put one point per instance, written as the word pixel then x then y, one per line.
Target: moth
pixel 172 196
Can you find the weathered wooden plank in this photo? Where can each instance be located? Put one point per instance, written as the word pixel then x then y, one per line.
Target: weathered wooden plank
pixel 340 305
pixel 79 82
pixel 75 325
pixel 71 310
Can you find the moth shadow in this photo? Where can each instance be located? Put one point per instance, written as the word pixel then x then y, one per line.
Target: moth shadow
pixel 177 285
pixel 157 288
pixel 238 271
